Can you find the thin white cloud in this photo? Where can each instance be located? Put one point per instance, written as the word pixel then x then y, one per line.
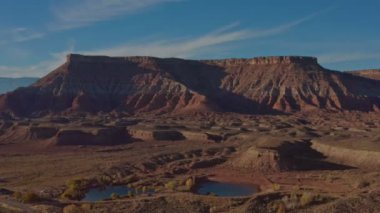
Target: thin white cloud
pixel 74 14
pixel 189 47
pixel 195 46
pixel 18 35
pixel 174 47
pixel 331 58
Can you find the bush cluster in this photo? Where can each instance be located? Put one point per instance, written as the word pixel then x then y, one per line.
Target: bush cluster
pixel 28 197
pixel 75 189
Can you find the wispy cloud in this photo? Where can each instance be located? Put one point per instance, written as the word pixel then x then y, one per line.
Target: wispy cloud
pixel 74 14
pixel 175 47
pixel 18 35
pixel 196 45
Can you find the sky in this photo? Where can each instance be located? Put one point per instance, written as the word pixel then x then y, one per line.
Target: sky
pixel 36 35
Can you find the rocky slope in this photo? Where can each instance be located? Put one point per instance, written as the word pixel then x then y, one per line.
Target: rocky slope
pixel 372 74
pixel 146 84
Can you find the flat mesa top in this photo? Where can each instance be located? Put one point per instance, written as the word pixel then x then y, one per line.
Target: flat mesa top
pixel 256 60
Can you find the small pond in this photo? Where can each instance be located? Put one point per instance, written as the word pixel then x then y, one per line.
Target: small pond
pixel 225 189
pixel 102 193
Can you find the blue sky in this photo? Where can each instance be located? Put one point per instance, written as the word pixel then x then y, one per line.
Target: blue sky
pixel 35 37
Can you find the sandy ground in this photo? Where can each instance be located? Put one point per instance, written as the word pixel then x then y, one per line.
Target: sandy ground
pixel 44 168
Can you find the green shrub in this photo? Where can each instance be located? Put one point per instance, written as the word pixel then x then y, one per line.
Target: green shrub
pixel 115 196
pixel 172 185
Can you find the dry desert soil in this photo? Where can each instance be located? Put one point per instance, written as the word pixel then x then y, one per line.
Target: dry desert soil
pixel 305 137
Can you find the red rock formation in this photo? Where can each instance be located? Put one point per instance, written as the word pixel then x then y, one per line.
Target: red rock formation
pixel 146 84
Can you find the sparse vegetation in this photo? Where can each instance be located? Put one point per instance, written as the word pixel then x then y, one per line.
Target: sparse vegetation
pixel 75 189
pixel 115 196
pixel 189 184
pixel 306 199
pixel 104 180
pixel 279 207
pixel 28 197
pixel 131 193
pixel 172 185
pixel 276 187
pixel 84 208
pixel 301 200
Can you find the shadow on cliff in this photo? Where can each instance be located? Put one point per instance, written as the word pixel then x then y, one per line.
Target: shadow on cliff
pixel 206 80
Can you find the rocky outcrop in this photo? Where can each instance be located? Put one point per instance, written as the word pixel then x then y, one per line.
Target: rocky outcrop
pixel 102 136
pixel 42 132
pixel 365 159
pixel 264 160
pixel 93 84
pixel 157 135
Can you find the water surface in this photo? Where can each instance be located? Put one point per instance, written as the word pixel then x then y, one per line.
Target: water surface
pixel 225 189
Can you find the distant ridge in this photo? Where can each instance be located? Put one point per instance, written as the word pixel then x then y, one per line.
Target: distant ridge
pixel 140 84
pixel 371 73
pixel 10 84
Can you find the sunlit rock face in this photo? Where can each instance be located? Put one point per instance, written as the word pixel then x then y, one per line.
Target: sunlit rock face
pixel 282 84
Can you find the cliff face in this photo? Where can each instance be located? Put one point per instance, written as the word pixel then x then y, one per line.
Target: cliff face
pixel 147 84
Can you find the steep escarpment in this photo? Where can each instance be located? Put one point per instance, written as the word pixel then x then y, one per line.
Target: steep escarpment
pixel 298 84
pixel 101 84
pixel 145 84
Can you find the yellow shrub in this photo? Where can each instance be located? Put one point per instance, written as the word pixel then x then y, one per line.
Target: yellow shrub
pixel 276 187
pixel 172 185
pixel 306 199
pixel 189 184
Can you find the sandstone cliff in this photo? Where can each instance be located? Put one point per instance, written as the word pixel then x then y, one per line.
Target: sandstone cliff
pixel 146 84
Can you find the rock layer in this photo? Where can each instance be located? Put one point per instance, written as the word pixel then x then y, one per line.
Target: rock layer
pixel 145 84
